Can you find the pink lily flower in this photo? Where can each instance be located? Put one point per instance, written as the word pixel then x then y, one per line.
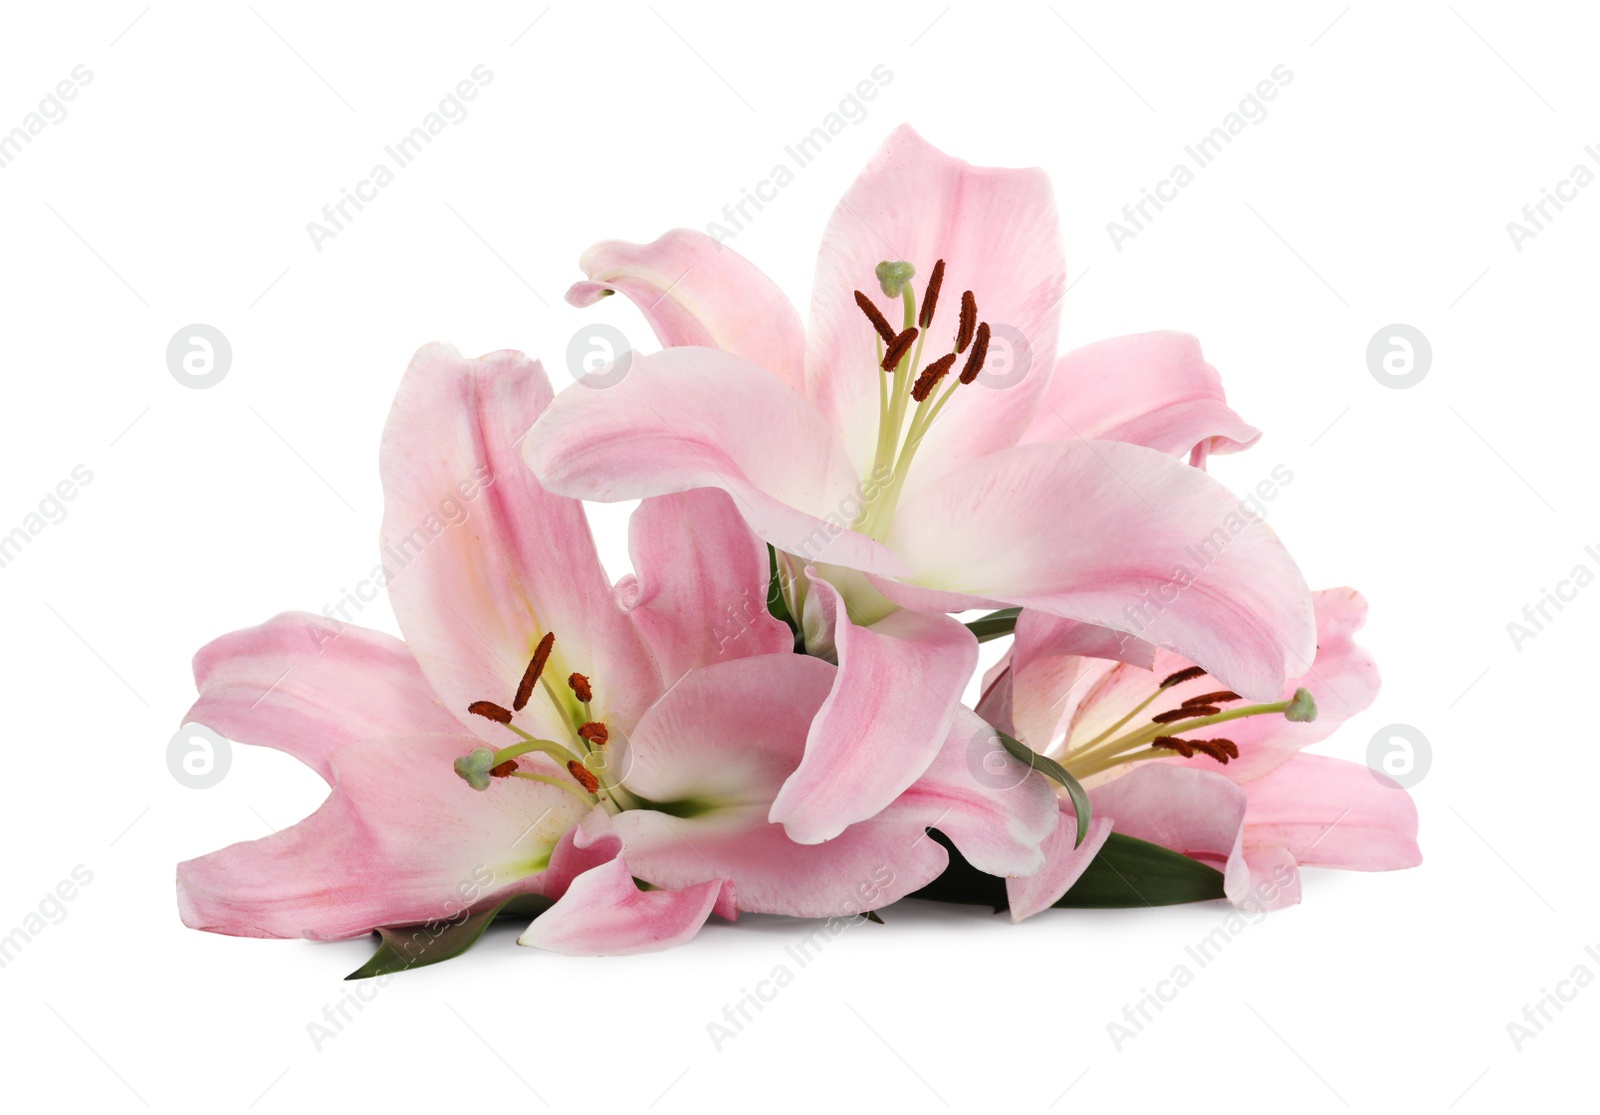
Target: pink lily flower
pixel 1170 756
pixel 897 489
pixel 541 732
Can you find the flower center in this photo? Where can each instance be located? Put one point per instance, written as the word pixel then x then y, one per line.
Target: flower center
pixel 589 775
pixel 903 380
pixel 1162 736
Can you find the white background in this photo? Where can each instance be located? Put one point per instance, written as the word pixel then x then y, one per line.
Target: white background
pixel 1377 190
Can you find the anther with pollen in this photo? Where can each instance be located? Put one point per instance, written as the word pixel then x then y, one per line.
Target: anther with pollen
pixel 969 319
pixel 580 688
pixel 1219 749
pixel 931 375
pixel 530 676
pixel 1218 698
pixel 930 296
pixel 504 769
pixel 1182 676
pixel 874 315
pixel 491 710
pixel 595 733
pixel 584 775
pixel 897 348
pixel 1186 712
pixel 980 349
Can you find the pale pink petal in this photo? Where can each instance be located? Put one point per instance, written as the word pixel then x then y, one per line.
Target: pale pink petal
pixel 604 913
pixel 1151 389
pixel 695 291
pixel 401 840
pixel 700 594
pixel 482 561
pixel 309 686
pixel 717 747
pixel 1055 664
pixel 1332 813
pixel 997 232
pixel 1123 537
pixel 698 418
pixel 1064 865
pixel 895 695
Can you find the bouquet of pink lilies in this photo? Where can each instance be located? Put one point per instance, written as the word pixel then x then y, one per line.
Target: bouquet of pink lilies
pixel 766 715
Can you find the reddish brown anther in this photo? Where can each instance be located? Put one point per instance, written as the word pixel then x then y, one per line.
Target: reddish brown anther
pixel 580 686
pixel 1219 749
pixel 980 349
pixel 969 319
pixel 491 710
pixel 931 375
pixel 1183 713
pixel 874 315
pixel 595 733
pixel 530 676
pixel 930 296
pixel 897 348
pixel 504 769
pixel 1217 698
pixel 1182 676
pixel 584 775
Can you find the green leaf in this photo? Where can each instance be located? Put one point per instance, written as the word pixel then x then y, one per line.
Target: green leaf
pixel 1052 769
pixel 778 604
pixel 1133 872
pixel 995 625
pixel 1126 872
pixel 416 946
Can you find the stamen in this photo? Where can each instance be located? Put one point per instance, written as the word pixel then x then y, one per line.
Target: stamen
pixel 1182 676
pixel 896 348
pixel 1188 712
pixel 491 710
pixel 595 732
pixel 584 775
pixel 580 687
pixel 930 296
pixel 980 349
pixel 875 315
pixel 1217 698
pixel 530 676
pixel 969 318
pixel 504 769
pixel 1221 750
pixel 931 375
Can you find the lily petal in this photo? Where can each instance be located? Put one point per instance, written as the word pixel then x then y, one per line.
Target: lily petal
pixel 1151 389
pixel 695 291
pixel 1147 545
pixel 996 230
pixel 1332 813
pixel 309 686
pixel 400 841
pixel 604 913
pixel 1064 865
pixel 482 561
pixel 698 418
pixel 894 697
pixel 700 592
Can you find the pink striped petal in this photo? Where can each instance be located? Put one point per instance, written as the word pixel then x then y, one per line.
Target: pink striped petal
pixel 1064 865
pixel 604 913
pixel 1151 389
pixel 310 686
pixel 695 291
pixel 483 561
pixel 1332 813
